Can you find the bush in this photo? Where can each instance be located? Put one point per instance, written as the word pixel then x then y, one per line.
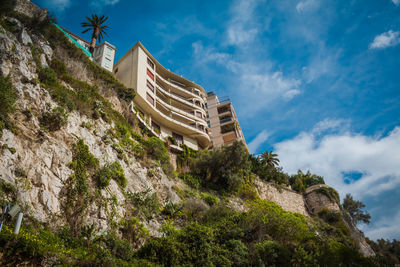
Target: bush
pixel 209 199
pixel 134 231
pixel 54 120
pixel 329 216
pixel 146 203
pixel 47 76
pixel 58 66
pixel 7 100
pixel 246 191
pixel 190 180
pixel 157 149
pixel 111 171
pixel 222 169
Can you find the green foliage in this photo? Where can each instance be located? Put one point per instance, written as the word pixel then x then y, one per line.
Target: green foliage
pixel 7 100
pixel 134 231
pixel 268 172
pixel 184 159
pixel 172 140
pixel 329 216
pixel 146 203
pixel 247 191
pixel 209 199
pixel 222 169
pixel 190 180
pixel 84 165
pixel 54 120
pixel 271 253
pixel 388 251
pixel 111 171
pixel 157 149
pixel 58 66
pixel 301 181
pixel 227 128
pixel 354 208
pixel 47 76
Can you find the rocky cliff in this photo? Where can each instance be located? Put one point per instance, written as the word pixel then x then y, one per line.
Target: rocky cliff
pixel 71 122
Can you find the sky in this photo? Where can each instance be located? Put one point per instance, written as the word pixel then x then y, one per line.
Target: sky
pixel 315 81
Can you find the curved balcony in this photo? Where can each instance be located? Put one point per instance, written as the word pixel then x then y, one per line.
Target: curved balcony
pixel 180 88
pixel 182 112
pixel 183 101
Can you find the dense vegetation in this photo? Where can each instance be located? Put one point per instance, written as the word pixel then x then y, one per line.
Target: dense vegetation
pixel 202 230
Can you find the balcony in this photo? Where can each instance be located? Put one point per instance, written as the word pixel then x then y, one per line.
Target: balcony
pixel 226 119
pixel 178 86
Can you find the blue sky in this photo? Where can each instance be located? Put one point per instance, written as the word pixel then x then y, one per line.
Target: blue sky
pixel 316 81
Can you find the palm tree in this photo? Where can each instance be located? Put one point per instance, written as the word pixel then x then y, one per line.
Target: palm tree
pixel 270 159
pixel 95 23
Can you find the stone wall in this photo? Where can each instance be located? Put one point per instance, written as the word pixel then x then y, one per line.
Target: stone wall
pixel 316 201
pixel 286 198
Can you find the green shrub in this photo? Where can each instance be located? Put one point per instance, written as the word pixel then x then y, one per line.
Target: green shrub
pixel 329 216
pixel 6 6
pixel 156 149
pixel 58 66
pixel 209 199
pixel 271 253
pixel 7 100
pixel 47 76
pixel 247 191
pixel 190 180
pixel 222 169
pixel 127 94
pixel 146 203
pixel 171 210
pixel 54 120
pixel 111 171
pixel 134 231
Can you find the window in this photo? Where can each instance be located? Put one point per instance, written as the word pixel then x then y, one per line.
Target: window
pixel 116 70
pixel 178 138
pixel 150 99
pixel 150 86
pixel 150 74
pixel 198 114
pixel 107 63
pixel 209 124
pixel 151 64
pixel 109 52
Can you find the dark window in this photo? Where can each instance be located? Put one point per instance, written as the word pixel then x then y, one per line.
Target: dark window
pixel 178 138
pixel 151 64
pixel 116 70
pixel 150 74
pixel 150 99
pixel 150 86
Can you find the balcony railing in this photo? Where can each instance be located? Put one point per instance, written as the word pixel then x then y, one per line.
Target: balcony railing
pixel 225 120
pixel 179 86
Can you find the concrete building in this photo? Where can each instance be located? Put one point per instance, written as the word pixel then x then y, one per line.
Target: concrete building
pixel 223 122
pixel 168 104
pixel 103 54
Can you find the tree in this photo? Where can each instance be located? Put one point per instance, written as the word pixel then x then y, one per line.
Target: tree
pixel 353 207
pixel 95 23
pixel 270 159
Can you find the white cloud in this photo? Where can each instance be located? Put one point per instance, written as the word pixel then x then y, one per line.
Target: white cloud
pixel 334 154
pixel 387 227
pixel 307 5
pixel 242 28
pixel 386 39
pixel 396 2
pixel 100 4
pixel 257 85
pixel 330 124
pixel 258 141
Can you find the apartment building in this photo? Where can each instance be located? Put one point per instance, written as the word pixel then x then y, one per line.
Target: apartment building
pixel 168 104
pixel 103 54
pixel 222 121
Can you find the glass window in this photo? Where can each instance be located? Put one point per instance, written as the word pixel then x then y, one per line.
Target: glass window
pixel 150 99
pixel 107 63
pixel 150 74
pixel 150 63
pixel 109 52
pixel 150 86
